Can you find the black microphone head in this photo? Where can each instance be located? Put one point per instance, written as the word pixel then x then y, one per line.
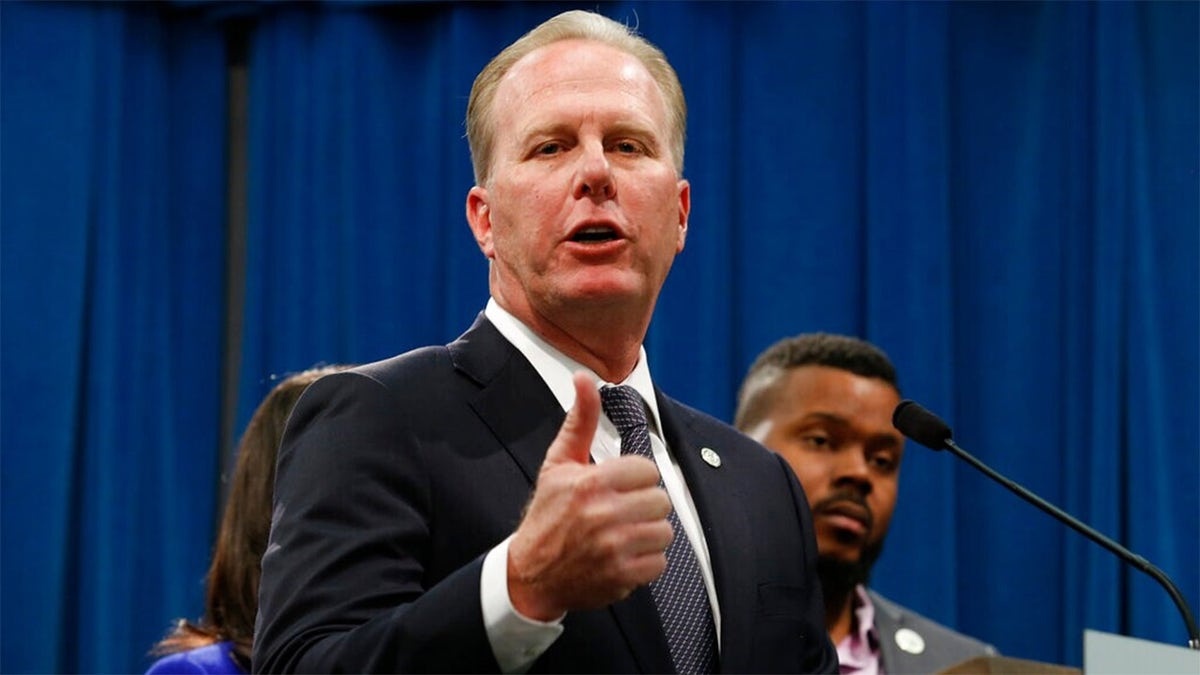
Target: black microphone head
pixel 914 421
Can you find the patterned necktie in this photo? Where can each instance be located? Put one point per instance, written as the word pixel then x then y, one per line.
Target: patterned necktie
pixel 679 593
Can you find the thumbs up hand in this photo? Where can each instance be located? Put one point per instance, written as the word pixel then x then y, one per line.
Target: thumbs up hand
pixel 592 533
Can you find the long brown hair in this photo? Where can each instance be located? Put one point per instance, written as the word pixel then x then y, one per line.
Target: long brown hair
pixel 231 600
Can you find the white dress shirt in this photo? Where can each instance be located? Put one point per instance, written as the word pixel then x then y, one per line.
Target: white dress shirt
pixel 516 640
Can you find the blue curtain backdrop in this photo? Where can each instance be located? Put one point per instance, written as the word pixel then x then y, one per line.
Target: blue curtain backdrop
pixel 1004 196
pixel 112 182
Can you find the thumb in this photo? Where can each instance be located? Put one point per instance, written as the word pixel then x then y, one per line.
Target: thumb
pixel 574 440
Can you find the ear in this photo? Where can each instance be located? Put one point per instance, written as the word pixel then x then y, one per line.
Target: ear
pixel 479 217
pixel 685 207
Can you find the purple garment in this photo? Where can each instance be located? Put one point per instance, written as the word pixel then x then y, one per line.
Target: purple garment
pixel 215 659
pixel 858 652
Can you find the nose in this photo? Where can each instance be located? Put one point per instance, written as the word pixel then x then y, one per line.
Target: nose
pixel 593 178
pixel 851 471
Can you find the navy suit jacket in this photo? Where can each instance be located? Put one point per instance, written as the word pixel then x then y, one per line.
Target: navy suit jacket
pixel 396 478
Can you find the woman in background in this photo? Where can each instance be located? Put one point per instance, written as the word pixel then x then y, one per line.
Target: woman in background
pixel 221 641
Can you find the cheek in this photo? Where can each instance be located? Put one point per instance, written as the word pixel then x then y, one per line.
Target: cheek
pixel 656 196
pixel 883 504
pixel 512 216
pixel 809 473
pixel 534 212
pixel 812 482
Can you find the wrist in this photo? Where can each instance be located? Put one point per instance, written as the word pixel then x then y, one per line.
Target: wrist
pixel 525 594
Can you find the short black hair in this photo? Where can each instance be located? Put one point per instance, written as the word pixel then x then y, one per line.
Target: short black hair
pixel 843 352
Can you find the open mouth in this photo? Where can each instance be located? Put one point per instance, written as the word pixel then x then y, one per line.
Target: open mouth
pixel 594 235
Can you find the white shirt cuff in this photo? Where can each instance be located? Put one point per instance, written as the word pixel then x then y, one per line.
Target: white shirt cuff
pixel 516 641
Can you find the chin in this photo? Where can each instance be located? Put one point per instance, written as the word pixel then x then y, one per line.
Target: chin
pixel 603 291
pixel 840 554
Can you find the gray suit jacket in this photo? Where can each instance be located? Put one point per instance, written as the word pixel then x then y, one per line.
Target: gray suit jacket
pixel 911 644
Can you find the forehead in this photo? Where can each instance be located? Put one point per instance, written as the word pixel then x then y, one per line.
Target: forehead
pixel 569 70
pixel 812 387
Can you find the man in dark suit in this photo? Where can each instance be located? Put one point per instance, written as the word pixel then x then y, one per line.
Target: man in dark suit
pixel 824 402
pixel 471 508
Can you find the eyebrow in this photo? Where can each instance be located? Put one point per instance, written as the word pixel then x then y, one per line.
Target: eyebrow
pixel 552 129
pixel 642 132
pixel 826 417
pixel 893 439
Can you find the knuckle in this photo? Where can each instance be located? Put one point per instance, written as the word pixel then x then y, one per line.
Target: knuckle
pixel 663 503
pixel 666 533
pixel 609 546
pixel 585 484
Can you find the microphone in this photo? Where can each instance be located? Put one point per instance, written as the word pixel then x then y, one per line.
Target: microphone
pixel 926 428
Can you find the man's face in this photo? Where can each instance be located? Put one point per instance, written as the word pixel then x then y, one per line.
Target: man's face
pixel 583 203
pixel 835 430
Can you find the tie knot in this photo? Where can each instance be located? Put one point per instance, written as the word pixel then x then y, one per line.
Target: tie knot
pixel 624 406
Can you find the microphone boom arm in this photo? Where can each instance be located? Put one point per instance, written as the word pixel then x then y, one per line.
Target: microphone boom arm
pixel 1122 552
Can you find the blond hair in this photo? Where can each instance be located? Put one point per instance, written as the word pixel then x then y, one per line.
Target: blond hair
pixel 581 25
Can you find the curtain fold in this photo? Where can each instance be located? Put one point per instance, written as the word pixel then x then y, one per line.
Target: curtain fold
pixel 113 124
pixel 908 287
pixel 1001 195
pixel 1161 437
pixel 354 252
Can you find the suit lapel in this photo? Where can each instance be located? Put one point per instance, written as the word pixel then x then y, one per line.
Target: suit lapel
pixel 523 414
pixel 513 401
pixel 888 620
pixel 721 508
pixel 637 618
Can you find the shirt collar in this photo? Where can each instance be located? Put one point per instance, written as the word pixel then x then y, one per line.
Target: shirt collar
pixel 556 368
pixel 859 650
pixel 865 612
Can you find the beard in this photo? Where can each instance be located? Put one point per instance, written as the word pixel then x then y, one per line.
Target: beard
pixel 839 577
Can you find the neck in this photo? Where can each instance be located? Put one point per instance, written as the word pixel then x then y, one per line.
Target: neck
pixel 839 616
pixel 839 583
pixel 604 337
pixel 609 350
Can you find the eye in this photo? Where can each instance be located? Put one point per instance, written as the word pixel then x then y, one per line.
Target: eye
pixel 815 441
pixel 628 147
pixel 551 148
pixel 883 462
